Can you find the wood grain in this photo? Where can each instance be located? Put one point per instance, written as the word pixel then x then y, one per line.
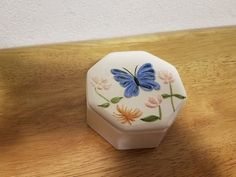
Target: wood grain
pixel 43 129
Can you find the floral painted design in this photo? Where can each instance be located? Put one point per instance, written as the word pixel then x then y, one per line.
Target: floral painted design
pixel 103 84
pixel 168 78
pixel 127 115
pixel 143 78
pixel 153 102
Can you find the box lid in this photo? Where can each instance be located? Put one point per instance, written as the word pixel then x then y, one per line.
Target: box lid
pixel 135 91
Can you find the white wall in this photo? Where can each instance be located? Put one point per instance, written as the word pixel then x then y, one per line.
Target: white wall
pixel 30 22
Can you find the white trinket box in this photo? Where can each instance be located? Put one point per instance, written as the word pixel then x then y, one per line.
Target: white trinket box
pixel 133 98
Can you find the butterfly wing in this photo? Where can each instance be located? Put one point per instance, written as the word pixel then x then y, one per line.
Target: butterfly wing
pixel 146 77
pixel 127 81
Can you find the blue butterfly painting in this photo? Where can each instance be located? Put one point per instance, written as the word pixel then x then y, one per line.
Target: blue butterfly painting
pixel 143 78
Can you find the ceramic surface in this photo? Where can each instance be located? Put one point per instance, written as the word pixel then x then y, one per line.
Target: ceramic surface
pixel 135 91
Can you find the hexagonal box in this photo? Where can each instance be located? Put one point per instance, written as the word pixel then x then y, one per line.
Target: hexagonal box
pixel 133 98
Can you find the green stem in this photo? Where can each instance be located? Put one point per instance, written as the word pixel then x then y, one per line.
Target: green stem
pixel 101 95
pixel 171 97
pixel 160 113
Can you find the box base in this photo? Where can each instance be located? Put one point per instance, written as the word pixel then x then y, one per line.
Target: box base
pixel 123 140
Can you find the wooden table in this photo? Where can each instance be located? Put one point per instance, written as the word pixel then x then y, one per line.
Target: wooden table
pixel 43 129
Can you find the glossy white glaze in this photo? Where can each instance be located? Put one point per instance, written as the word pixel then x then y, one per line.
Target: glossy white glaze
pixel 133 121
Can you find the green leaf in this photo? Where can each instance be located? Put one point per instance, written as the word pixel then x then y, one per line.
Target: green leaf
pixel 150 118
pixel 104 105
pixel 165 95
pixel 116 99
pixel 179 96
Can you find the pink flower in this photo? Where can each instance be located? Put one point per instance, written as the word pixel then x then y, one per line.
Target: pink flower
pixel 154 102
pixel 166 76
pixel 100 83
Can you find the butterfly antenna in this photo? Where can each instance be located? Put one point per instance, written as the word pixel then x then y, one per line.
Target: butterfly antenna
pixel 128 71
pixel 135 71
